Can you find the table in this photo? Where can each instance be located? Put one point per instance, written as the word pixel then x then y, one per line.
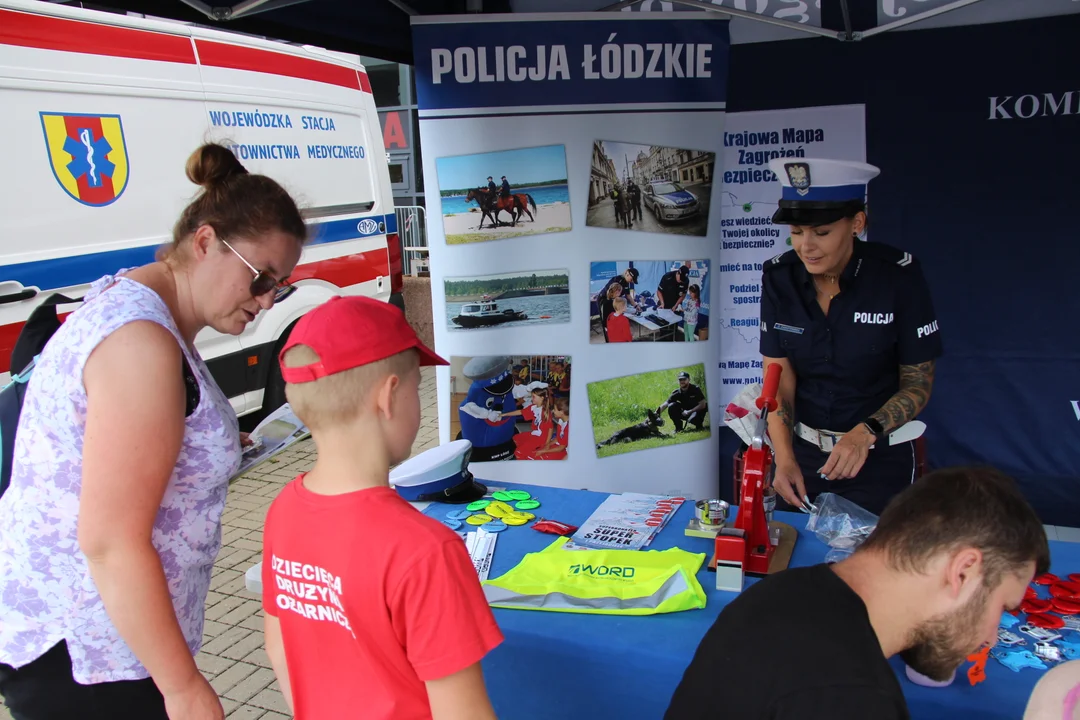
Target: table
pixel 565 665
pixel 673 319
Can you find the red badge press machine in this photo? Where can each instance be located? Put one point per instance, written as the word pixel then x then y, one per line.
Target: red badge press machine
pixel 756 545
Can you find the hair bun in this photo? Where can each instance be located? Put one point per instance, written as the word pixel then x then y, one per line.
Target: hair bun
pixel 212 164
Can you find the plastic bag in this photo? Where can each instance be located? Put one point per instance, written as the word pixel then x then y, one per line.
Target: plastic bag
pixel 742 414
pixel 840 524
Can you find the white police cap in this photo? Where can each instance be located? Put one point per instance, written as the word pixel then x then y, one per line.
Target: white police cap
pixel 818 191
pixel 438 475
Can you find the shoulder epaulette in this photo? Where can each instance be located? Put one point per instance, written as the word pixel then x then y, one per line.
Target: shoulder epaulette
pixel 784 258
pixel 888 254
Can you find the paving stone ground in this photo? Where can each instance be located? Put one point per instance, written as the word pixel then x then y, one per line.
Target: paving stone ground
pixel 232 655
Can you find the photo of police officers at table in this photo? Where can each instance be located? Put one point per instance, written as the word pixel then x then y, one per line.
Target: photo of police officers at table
pixel 649 301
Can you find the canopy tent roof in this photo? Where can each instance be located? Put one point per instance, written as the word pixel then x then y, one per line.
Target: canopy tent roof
pixel 380 28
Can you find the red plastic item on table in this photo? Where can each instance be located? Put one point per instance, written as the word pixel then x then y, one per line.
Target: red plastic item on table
pixel 1066 606
pixel 554 527
pixel 1050 622
pixel 1065 589
pixel 1030 593
pixel 977 672
pixel 1074 577
pixel 1035 606
pixel 1047 579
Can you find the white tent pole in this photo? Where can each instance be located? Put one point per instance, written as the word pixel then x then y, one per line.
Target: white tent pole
pixel 243 9
pixel 200 6
pixel 913 18
pixel 403 7
pixel 746 14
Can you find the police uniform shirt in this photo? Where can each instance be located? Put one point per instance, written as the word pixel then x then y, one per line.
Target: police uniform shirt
pixel 671 287
pixel 619 279
pixel 686 398
pixel 847 364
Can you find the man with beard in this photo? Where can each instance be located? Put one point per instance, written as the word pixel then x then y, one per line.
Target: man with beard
pixel 949 554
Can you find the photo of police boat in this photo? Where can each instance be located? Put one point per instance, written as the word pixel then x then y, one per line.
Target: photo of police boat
pixel 485 314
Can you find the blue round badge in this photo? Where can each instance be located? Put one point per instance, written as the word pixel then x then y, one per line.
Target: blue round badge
pixel 452 524
pixel 494 526
pixel 458 514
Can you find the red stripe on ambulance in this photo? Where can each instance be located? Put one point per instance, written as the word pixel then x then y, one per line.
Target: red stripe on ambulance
pixel 238 57
pixel 49 33
pixel 339 271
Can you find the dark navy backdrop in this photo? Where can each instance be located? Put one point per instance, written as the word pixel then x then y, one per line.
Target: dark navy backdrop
pixel 656 75
pixel 987 206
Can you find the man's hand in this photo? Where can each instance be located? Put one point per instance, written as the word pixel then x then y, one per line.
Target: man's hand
pixel 849 454
pixel 245 440
pixel 788 482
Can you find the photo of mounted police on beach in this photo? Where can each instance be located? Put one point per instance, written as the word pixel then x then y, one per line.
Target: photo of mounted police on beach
pixel 649 410
pixel 650 188
pixel 511 407
pixel 649 301
pixel 504 194
pixel 534 297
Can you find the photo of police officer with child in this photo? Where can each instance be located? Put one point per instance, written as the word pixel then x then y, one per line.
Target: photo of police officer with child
pixel 649 301
pixel 650 188
pixel 511 407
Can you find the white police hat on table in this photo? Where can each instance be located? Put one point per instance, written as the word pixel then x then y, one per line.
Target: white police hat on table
pixel 440 474
pixel 818 191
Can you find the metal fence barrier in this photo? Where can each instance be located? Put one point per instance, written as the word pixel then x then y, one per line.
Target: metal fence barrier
pixel 412 230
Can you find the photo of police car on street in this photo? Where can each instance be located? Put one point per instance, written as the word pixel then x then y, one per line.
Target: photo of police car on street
pixel 651 188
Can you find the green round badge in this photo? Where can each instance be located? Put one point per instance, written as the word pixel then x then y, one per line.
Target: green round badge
pixel 518 494
pixel 478 505
pixel 503 496
pixel 527 505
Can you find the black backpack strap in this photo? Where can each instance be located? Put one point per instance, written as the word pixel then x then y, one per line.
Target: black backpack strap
pixel 40 326
pixel 191 387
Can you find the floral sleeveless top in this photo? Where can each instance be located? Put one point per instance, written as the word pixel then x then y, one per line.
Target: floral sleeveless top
pixel 46 592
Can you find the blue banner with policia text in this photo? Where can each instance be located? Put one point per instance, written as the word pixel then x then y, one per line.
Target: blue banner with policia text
pixel 558 148
pixel 562 63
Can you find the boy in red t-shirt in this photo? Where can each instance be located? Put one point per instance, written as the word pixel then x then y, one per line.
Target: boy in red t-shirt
pixel 372 609
pixel 618 325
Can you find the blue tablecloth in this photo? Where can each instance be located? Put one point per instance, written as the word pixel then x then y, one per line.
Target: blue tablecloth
pixel 566 665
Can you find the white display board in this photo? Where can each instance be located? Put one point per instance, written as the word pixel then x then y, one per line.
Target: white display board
pixel 570 108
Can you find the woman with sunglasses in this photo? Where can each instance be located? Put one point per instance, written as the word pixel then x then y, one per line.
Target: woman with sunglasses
pixel 121 466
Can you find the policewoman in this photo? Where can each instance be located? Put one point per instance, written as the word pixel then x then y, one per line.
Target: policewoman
pixel 853 327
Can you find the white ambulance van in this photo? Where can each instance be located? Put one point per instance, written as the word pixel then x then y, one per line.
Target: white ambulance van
pixel 98 114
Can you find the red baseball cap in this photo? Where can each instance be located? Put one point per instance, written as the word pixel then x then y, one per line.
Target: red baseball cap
pixel 347 332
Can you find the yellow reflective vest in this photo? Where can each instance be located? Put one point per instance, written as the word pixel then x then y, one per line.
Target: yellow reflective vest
pixel 608 582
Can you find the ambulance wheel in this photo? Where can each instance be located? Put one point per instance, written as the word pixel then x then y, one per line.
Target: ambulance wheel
pixel 274 392
pixel 274 395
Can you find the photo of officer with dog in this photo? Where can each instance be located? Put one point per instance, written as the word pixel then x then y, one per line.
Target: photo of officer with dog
pixel 649 410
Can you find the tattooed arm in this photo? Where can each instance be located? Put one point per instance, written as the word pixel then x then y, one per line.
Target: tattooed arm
pixel 782 421
pixel 916 382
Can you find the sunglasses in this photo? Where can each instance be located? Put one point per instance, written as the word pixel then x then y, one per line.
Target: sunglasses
pixel 263 282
